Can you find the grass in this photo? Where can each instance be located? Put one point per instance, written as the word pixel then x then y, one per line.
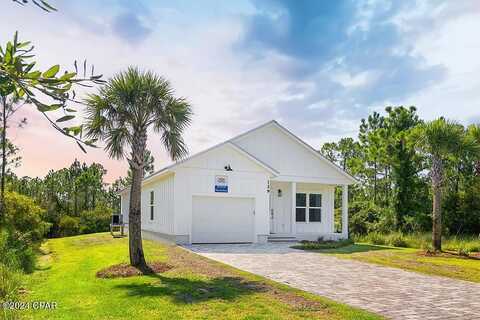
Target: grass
pixel 445 264
pixel 422 241
pixel 195 288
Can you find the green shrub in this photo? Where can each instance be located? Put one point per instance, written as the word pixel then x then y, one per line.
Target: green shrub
pixel 361 217
pixel 386 221
pixel 24 218
pixel 10 282
pixel 96 220
pixel 417 223
pixel 16 254
pixel 69 226
pixel 21 233
pixel 366 217
pixel 323 244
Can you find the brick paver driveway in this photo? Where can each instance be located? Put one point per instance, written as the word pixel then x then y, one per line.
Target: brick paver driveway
pixel 394 293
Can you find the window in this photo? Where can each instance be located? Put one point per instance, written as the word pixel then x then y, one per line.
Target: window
pixel 152 204
pixel 301 207
pixel 313 207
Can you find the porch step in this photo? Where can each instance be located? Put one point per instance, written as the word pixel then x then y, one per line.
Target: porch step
pixel 274 238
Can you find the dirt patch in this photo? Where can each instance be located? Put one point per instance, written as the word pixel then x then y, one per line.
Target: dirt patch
pixel 82 241
pixel 475 255
pixel 184 260
pixel 296 301
pixel 449 254
pixel 124 270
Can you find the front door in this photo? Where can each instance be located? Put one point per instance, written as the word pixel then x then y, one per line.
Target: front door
pixel 280 220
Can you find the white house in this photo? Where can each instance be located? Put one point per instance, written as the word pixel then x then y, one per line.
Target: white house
pixel 263 184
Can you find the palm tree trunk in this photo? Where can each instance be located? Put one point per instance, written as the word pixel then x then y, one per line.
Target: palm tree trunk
pixel 437 177
pixel 137 257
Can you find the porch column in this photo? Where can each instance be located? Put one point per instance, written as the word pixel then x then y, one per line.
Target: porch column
pixel 294 196
pixel 345 211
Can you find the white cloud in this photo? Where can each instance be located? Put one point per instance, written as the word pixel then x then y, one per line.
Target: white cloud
pixel 199 60
pixel 456 46
pixel 360 79
pixel 230 90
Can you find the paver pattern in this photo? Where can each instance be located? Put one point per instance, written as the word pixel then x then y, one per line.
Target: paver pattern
pixel 393 293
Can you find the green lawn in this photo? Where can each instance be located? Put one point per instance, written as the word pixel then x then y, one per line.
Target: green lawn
pixel 196 288
pixel 445 264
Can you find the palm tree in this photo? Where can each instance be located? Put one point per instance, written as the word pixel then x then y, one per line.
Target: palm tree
pixel 441 139
pixel 474 131
pixel 120 115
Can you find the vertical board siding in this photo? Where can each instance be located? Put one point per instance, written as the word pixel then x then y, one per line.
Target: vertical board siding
pixel 191 182
pixel 326 225
pixel 197 178
pixel 163 202
pixel 124 205
pixel 292 159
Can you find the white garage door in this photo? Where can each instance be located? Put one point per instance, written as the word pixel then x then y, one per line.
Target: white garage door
pixel 222 220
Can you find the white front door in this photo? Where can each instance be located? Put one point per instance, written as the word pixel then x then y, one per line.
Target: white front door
pixel 280 212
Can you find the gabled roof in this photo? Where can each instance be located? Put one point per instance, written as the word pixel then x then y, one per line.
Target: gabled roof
pixel 229 142
pixel 315 152
pixel 168 169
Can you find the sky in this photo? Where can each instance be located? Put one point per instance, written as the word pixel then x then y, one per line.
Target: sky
pixel 317 67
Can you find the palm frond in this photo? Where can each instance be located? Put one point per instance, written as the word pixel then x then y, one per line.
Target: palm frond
pixel 117 139
pixel 442 138
pixel 132 101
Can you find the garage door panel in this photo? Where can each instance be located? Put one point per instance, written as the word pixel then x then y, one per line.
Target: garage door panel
pixel 222 219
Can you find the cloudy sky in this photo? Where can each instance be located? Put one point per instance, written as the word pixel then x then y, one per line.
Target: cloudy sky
pixel 317 67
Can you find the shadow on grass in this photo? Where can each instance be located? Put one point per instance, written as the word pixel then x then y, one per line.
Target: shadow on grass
pixel 184 290
pixel 44 260
pixel 356 248
pixel 42 268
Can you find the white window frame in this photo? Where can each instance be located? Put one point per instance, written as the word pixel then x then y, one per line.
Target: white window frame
pixel 307 206
pixel 300 207
pixel 151 204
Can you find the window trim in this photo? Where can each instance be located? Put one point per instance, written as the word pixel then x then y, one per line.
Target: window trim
pixel 321 205
pixel 301 207
pixel 307 206
pixel 151 204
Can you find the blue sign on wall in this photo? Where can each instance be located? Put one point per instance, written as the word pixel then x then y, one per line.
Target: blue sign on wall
pixel 221 188
pixel 221 184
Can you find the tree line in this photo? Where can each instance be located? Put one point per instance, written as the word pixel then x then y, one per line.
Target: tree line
pixel 404 165
pixel 69 194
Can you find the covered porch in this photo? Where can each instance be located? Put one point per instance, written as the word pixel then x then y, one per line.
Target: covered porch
pixel 305 210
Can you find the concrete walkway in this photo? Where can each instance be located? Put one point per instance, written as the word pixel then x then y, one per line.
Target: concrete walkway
pixel 393 293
